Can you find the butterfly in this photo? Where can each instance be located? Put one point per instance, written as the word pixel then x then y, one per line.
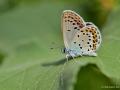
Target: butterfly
pixel 80 37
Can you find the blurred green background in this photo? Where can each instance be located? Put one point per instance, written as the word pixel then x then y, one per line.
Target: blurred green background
pixel 31 42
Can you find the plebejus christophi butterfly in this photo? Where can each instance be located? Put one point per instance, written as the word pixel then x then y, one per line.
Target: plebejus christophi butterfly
pixel 80 37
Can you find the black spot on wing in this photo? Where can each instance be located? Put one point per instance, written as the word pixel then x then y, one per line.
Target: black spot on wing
pixel 83 33
pixel 75 27
pixel 89 39
pixel 73 23
pixel 74 42
pixel 80 47
pixel 90 46
pixel 68 30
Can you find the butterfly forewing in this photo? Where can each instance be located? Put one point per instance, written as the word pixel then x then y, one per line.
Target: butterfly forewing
pixel 71 23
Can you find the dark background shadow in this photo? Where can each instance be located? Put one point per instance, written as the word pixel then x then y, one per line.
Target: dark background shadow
pixel 2 56
pixel 56 63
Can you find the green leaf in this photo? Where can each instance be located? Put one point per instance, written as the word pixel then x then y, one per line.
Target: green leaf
pixel 90 78
pixel 31 38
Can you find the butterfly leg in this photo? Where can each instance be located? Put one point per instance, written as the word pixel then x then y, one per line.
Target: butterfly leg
pixel 73 56
pixel 67 57
pixel 75 61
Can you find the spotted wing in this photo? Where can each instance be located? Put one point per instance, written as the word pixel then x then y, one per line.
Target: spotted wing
pixel 95 34
pixel 88 39
pixel 71 24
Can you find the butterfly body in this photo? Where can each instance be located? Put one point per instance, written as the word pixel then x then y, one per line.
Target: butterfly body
pixel 80 37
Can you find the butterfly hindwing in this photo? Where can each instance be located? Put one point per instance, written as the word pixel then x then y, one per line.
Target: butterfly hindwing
pixel 88 39
pixel 95 34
